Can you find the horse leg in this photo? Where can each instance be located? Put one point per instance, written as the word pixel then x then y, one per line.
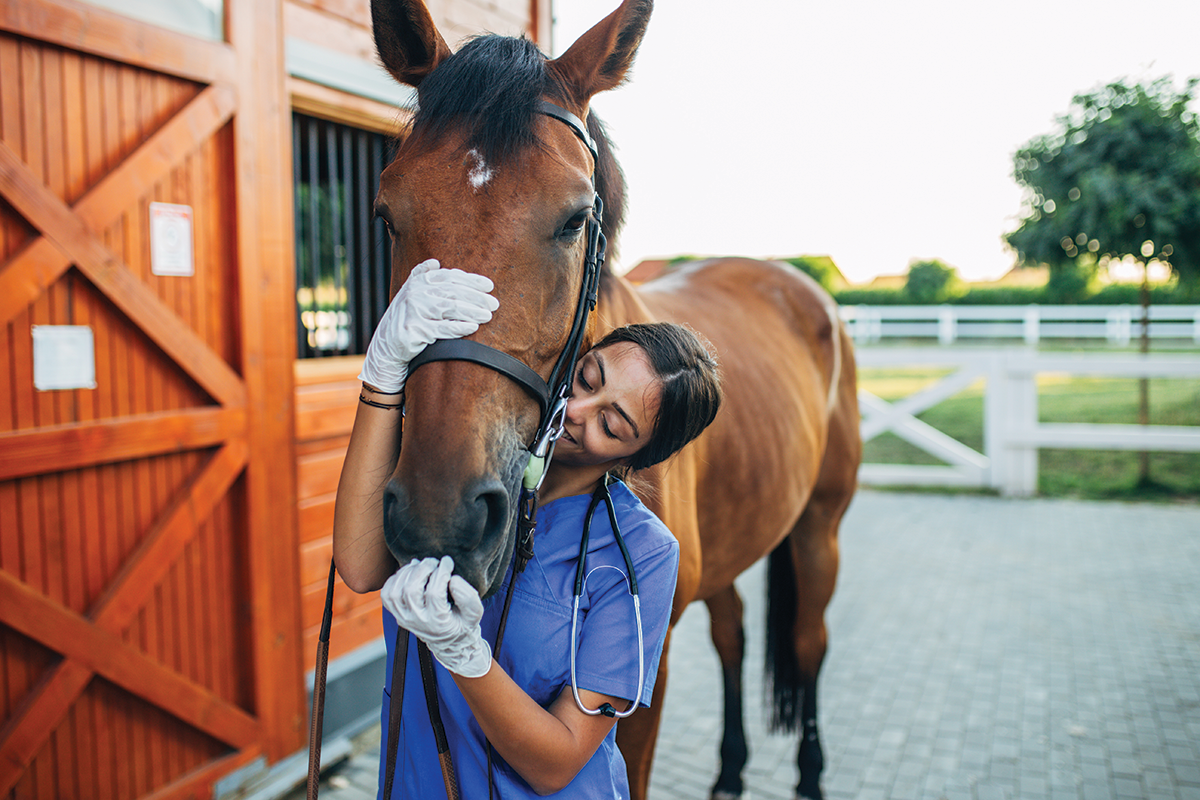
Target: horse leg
pixel 725 610
pixel 800 584
pixel 802 574
pixel 638 733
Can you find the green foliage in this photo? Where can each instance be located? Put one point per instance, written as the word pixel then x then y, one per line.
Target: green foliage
pixel 871 296
pixel 1001 296
pixel 930 282
pixel 1119 177
pixel 1069 284
pixel 821 269
pixel 1113 294
pixel 1116 294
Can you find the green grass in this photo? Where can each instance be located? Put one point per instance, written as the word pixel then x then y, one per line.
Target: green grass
pixel 1093 474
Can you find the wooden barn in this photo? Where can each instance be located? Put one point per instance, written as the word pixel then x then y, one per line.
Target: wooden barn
pixel 189 273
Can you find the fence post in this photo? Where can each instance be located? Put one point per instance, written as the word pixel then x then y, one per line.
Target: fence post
pixel 995 446
pixel 1020 409
pixel 1033 324
pixel 947 325
pixel 1120 326
pixel 1196 329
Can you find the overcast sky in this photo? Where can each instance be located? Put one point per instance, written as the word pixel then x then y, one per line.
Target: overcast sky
pixel 873 131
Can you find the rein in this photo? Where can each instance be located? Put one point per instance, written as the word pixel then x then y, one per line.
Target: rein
pixel 552 400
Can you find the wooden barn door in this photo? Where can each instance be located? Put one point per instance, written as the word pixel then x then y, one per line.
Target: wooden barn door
pixel 149 609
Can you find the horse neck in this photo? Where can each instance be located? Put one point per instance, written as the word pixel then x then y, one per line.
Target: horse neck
pixel 619 304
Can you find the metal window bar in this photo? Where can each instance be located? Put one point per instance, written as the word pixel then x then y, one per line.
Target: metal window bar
pixel 342 256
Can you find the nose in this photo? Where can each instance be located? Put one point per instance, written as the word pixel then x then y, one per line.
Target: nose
pixel 577 408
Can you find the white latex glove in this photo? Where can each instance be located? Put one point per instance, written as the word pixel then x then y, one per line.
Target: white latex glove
pixel 432 304
pixel 419 595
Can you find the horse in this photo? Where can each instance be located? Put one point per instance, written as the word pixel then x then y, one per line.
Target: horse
pixel 487 181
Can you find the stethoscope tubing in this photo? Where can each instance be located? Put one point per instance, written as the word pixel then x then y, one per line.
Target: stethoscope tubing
pixel 581 582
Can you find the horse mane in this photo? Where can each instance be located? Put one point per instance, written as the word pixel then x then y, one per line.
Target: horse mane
pixel 493 85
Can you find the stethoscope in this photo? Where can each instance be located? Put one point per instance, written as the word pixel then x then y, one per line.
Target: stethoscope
pixel 581 576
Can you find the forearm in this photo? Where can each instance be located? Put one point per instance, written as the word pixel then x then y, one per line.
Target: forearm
pixel 359 547
pixel 547 747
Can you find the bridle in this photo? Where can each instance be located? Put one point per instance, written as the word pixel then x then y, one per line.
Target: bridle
pixel 551 396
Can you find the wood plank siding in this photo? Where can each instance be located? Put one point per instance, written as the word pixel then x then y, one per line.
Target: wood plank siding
pixel 326 397
pixel 165 535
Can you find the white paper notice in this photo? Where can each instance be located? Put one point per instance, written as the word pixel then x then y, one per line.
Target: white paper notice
pixel 171 239
pixel 64 357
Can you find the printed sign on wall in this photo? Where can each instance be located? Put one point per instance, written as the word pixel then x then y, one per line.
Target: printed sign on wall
pixel 171 239
pixel 64 357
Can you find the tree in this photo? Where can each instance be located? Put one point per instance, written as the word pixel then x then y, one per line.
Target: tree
pixel 1120 176
pixel 930 282
pixel 821 269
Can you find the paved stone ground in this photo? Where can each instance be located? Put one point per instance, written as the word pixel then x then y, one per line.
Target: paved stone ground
pixel 980 649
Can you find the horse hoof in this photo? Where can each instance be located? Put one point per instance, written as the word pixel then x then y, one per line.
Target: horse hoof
pixel 719 794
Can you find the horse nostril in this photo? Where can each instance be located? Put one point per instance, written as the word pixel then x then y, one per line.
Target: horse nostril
pixel 491 511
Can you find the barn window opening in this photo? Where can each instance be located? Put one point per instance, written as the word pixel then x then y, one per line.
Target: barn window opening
pixel 203 18
pixel 342 255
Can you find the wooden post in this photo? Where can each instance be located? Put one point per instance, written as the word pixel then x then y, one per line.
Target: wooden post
pixel 263 185
pixel 1144 383
pixel 1021 406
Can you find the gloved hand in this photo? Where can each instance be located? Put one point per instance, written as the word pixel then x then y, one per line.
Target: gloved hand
pixel 432 304
pixel 417 597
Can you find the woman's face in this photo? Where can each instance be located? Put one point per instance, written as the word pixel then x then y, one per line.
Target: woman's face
pixel 612 407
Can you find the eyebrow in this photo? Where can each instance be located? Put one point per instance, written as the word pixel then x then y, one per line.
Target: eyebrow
pixel 600 363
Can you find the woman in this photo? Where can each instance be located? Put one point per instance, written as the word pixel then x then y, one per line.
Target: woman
pixel 639 396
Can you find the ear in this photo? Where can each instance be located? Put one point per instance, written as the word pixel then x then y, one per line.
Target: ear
pixel 601 58
pixel 408 42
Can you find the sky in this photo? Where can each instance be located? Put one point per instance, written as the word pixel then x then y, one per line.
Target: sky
pixel 874 131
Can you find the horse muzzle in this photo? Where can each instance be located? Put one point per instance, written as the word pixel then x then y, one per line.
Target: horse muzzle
pixel 474 524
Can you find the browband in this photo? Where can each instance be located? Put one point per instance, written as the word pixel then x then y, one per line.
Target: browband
pixel 573 122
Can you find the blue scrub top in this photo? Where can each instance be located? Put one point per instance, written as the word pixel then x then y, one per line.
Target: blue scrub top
pixel 536 654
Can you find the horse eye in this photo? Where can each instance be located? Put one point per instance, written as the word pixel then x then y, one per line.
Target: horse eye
pixel 576 223
pixel 387 223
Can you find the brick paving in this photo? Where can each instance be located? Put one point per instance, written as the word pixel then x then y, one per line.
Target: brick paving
pixel 980 649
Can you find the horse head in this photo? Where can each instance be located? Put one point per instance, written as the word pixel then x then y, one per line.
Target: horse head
pixel 486 182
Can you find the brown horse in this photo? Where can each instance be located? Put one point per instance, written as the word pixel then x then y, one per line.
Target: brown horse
pixel 486 183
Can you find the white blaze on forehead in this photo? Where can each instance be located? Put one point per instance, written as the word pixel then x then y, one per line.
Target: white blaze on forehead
pixel 480 173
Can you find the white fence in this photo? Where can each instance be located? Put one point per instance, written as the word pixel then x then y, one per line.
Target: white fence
pixel 1117 325
pixel 1012 433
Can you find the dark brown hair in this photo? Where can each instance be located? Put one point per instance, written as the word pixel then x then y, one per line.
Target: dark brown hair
pixel 690 378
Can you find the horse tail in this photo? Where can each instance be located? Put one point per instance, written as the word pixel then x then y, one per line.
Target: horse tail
pixel 783 667
pixel 835 376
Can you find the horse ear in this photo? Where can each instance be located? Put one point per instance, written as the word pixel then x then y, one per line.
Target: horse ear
pixel 407 40
pixel 600 59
